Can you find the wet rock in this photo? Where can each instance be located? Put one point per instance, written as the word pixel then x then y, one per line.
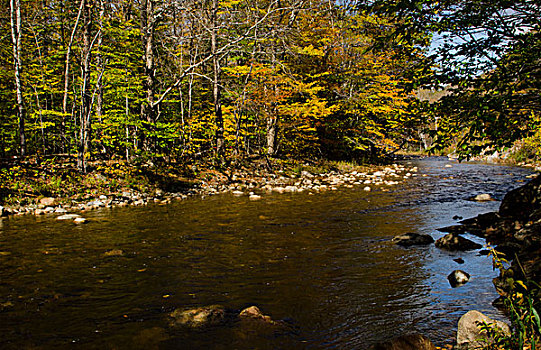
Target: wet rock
pixel 68 217
pixel 458 278
pixel 114 252
pixel 455 242
pixel 253 313
pixel 80 220
pixel 367 189
pixel 484 197
pixel 522 201
pixel 459 260
pixel 254 197
pixel 406 342
pixel 3 211
pixel 469 335
pixel 410 239
pixel 455 229
pixel 205 316
pixel 149 339
pixel 60 210
pixel 237 193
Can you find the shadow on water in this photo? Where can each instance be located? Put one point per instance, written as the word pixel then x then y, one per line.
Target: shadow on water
pixel 322 262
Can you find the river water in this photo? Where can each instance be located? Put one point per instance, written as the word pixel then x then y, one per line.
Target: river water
pixel 324 263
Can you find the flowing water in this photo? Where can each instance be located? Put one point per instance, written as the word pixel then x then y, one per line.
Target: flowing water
pixel 324 263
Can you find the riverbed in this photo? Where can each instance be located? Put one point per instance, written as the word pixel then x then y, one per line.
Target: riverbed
pixel 324 263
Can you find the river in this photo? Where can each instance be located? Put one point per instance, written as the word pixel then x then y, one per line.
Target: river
pixel 324 263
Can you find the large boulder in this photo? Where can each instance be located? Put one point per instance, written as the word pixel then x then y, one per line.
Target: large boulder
pixel 455 242
pixel 200 317
pixel 406 342
pixel 470 334
pixel 409 239
pixel 522 201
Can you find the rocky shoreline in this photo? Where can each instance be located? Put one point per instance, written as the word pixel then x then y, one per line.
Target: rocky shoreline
pixel 255 185
pixel 514 232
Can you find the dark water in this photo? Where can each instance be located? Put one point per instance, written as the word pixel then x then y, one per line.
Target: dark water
pixel 324 263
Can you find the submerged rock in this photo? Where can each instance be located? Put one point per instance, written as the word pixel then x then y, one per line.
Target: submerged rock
pixel 114 252
pixel 68 217
pixel 406 342
pixel 253 313
pixel 470 336
pixel 409 239
pixel 455 242
pixel 458 278
pixel 205 316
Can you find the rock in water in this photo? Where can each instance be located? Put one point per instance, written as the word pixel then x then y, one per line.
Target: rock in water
pixel 456 242
pixel 458 278
pixel 205 316
pixel 521 201
pixel 253 313
pixel 68 217
pixel 409 239
pixel 485 197
pixel 406 342
pixel 469 334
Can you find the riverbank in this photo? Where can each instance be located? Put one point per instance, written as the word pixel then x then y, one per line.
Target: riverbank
pixel 57 188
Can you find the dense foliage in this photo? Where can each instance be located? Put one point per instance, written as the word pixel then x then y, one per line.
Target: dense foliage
pixel 181 80
pixel 487 58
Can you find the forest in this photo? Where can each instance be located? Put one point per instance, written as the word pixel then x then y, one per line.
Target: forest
pixel 179 81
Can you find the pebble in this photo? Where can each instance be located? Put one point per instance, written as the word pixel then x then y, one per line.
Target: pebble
pixel 306 181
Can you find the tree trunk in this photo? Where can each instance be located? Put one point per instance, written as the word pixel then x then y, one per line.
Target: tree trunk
pixel 15 12
pixel 148 108
pixel 86 98
pixel 216 91
pixel 67 73
pixel 271 135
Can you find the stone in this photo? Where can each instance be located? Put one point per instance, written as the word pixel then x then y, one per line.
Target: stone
pixel 80 220
pixel 367 189
pixel 60 210
pixel 3 212
pixel 237 193
pixel 114 252
pixel 522 201
pixel 47 201
pixel 254 197
pixel 456 242
pixel 96 203
pixel 484 197
pixel 205 316
pixel 409 239
pixel 406 342
pixel 68 217
pixel 254 313
pixel 469 335
pixel 458 278
pixel 291 189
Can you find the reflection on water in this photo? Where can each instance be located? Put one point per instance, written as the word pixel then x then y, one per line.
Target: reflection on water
pixel 324 263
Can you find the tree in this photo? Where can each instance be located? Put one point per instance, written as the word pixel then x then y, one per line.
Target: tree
pixel 16 35
pixel 488 57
